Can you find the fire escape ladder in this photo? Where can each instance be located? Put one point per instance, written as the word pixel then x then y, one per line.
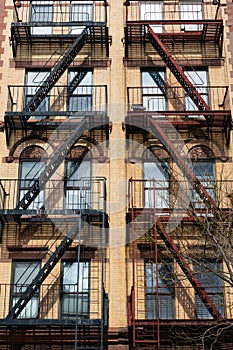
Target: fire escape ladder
pixel 76 81
pixel 159 81
pixel 196 284
pixel 44 272
pixel 158 130
pixel 178 72
pixel 56 73
pixel 57 158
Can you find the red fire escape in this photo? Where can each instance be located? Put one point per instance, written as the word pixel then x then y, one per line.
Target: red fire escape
pixel 139 35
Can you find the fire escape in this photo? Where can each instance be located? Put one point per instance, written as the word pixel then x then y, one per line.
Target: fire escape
pixel 71 226
pixel 147 41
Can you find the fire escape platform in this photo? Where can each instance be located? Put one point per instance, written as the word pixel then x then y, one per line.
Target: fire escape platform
pixel 19 121
pixel 181 41
pixel 21 35
pixel 60 334
pixel 94 217
pixel 147 330
pixel 219 121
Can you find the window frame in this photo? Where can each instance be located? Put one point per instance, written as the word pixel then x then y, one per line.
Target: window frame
pixel 153 96
pixel 41 5
pixel 82 96
pixel 16 294
pixel 33 80
pixel 164 294
pixel 162 193
pixel 195 15
pixel 75 291
pixel 201 311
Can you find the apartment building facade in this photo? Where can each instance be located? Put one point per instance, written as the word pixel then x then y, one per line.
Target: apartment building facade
pixel 116 174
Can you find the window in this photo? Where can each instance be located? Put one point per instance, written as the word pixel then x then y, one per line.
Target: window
pixel 206 272
pixel 81 12
pixel 156 190
pixel 75 289
pixel 78 184
pixel 80 91
pixel 153 90
pixel 23 274
pixel 41 12
pixel 204 171
pixel 34 80
pixel 30 169
pixel 190 11
pixel 159 282
pixel 199 78
pixel 152 11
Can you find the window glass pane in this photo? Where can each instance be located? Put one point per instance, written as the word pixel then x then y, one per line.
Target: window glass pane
pixel 75 299
pixel 41 12
pixel 154 91
pixel 204 171
pixel 34 79
pixel 81 11
pixel 80 98
pixel 161 285
pixel 77 190
pixel 152 11
pixel 212 283
pixel 199 79
pixel 30 170
pixel 156 192
pixel 191 10
pixel 23 275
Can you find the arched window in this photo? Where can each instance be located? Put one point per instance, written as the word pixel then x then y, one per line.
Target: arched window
pixel 32 163
pixel 78 179
pixel 203 164
pixel 156 174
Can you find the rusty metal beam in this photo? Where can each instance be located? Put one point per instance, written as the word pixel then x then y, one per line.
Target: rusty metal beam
pixel 178 72
pixel 187 172
pixel 199 289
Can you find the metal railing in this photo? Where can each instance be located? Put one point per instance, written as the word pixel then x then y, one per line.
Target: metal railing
pixel 168 10
pixel 48 303
pixel 180 304
pixel 168 195
pixel 85 98
pixel 59 16
pixel 58 195
pixel 173 98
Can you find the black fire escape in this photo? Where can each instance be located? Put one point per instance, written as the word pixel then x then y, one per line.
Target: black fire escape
pixel 85 333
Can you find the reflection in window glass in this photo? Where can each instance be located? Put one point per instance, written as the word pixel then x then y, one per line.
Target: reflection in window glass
pixel 80 98
pixel 81 11
pixel 41 12
pixel 154 90
pixel 29 171
pixel 75 289
pixel 156 190
pixel 206 272
pixel 78 184
pixel 152 11
pixel 161 285
pixel 190 11
pixel 23 275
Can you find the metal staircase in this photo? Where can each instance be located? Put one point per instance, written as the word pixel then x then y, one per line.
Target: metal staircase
pixel 178 72
pixel 160 129
pixel 199 289
pixel 44 272
pixel 56 73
